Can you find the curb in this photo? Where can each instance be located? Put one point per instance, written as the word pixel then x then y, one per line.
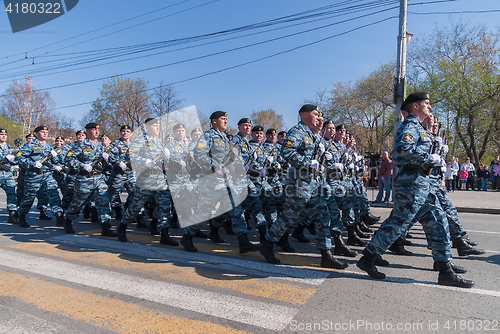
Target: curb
pixel 459 209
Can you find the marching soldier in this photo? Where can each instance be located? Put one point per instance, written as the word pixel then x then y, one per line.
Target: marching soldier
pixel 122 176
pixel 301 148
pixel 34 156
pixel 71 176
pixel 60 177
pixel 149 157
pixel 413 197
pixel 7 159
pixel 88 157
pixel 210 152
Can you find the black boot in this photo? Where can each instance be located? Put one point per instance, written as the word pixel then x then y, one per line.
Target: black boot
pixel 328 261
pixel 122 232
pixel 68 226
pixel 141 222
pixel 94 217
pixel 464 249
pixel 86 212
pixel 298 234
pixel 187 243
pixel 118 213
pixel 106 230
pixel 399 249
pixel 360 233
pixel 371 216
pixel 262 233
pixel 228 227
pixel 152 226
pixel 311 228
pixel 448 277
pixel 174 222
pixel 268 252
pixel 353 239
pixel 166 239
pixel 214 235
pixel 341 248
pixel 362 226
pixel 284 244
pixel 456 269
pixel 13 217
pixel 22 221
pixel 59 218
pixel 366 263
pixel 470 242
pixel 44 215
pixel 245 245
pixel 369 221
pixel 379 261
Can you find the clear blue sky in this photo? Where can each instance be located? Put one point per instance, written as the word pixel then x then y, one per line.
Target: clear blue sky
pixel 281 82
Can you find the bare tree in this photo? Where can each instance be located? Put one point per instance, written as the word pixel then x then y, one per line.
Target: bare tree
pixel 268 118
pixel 24 104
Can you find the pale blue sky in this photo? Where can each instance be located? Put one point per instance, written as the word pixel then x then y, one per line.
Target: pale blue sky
pixel 282 81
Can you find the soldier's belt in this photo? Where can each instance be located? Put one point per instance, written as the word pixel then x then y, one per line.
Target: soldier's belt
pixel 419 169
pixel 91 174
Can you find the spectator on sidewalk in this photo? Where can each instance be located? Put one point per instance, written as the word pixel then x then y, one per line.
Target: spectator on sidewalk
pixel 448 178
pixel 496 171
pixel 384 182
pixel 485 178
pixel 471 171
pixel 456 170
pixel 494 178
pixel 464 175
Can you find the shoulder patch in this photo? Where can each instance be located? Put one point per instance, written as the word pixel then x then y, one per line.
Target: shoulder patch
pixel 408 138
pixel 69 154
pixel 18 154
pixel 201 146
pixel 288 143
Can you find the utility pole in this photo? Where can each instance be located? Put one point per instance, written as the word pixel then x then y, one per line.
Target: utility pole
pixel 400 79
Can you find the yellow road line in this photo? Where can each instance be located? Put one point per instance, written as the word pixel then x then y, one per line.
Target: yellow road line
pixel 104 312
pixel 182 272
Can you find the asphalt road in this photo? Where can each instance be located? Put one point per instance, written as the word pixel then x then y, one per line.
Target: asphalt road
pixel 51 282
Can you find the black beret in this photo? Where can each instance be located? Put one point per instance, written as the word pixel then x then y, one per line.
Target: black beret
pixel 217 114
pixel 415 97
pixel 307 108
pixel 3 131
pixel 151 120
pixel 126 127
pixel 179 126
pixel 328 122
pixel 92 126
pixel 195 129
pixel 30 135
pixel 257 128
pixel 403 106
pixel 244 120
pixel 40 128
pixel 60 137
pixel 270 131
pixel 80 131
pixel 339 127
pixel 103 135
pixel 282 133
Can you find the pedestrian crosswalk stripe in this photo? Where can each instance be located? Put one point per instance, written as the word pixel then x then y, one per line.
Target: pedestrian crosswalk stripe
pixel 222 305
pixel 285 272
pixel 231 280
pixel 104 312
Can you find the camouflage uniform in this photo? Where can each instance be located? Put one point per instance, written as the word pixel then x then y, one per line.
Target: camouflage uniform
pixel 35 180
pixel 150 182
pixel 413 194
pixel 209 152
pixel 88 184
pixel 7 179
pixel 251 203
pixel 304 198
pixel 120 179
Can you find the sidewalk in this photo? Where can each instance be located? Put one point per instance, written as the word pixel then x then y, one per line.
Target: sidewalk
pixel 465 201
